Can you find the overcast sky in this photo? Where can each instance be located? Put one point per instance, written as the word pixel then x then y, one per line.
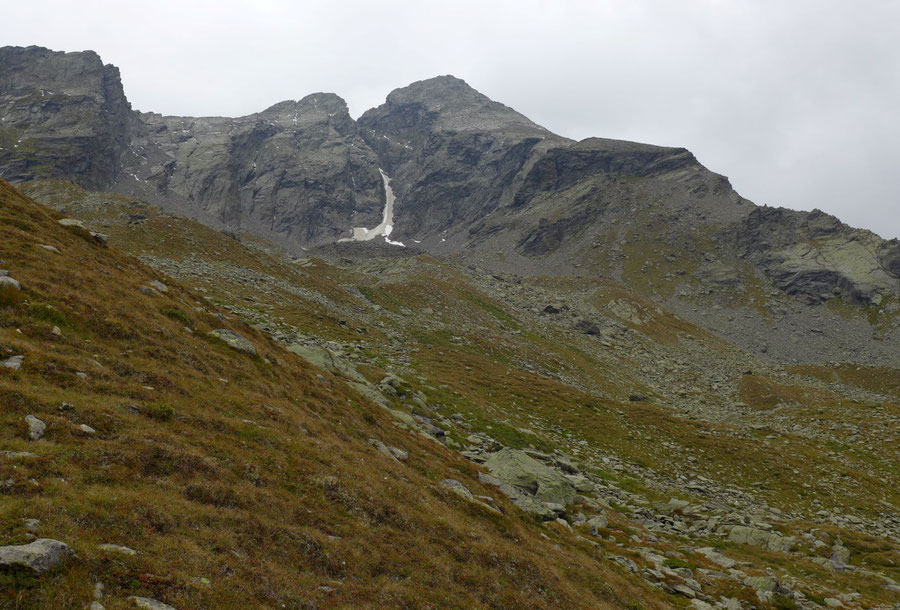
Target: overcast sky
pixel 796 101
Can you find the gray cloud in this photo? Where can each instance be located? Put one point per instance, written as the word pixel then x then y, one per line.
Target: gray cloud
pixel 795 101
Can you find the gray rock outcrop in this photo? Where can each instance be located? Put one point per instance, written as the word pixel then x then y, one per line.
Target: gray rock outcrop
pixel 298 172
pixel 453 154
pixel 762 538
pixel 816 257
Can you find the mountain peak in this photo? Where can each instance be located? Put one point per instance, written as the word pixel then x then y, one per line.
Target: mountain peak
pixel 451 104
pixel 316 108
pixel 436 88
pixel 28 69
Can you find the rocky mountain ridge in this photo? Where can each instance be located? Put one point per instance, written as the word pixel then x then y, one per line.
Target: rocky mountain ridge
pixel 472 178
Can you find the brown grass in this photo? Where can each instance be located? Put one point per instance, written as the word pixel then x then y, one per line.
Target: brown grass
pixel 258 478
pixel 883 380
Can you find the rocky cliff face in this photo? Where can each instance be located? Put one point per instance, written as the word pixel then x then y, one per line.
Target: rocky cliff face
pixel 298 172
pixel 64 115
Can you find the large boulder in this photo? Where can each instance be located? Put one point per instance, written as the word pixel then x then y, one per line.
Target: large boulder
pixel 326 359
pixel 532 485
pixel 39 556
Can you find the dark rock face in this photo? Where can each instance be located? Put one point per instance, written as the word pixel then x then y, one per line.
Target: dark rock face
pixel 454 155
pixel 562 168
pixel 297 172
pixel 64 115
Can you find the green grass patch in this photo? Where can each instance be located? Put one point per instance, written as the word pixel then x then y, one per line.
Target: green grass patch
pixel 176 314
pixel 48 313
pixel 160 412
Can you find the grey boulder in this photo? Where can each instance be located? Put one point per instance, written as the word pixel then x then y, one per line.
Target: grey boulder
pixel 596 522
pixel 234 340
pixel 36 427
pixel 39 556
pixel 458 488
pixel 13 363
pixel 5 280
pixel 532 485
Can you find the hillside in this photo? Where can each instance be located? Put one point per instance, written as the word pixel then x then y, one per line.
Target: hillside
pixel 238 479
pixel 675 437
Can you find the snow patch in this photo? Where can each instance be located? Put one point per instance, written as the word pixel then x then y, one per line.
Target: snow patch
pixel 387 222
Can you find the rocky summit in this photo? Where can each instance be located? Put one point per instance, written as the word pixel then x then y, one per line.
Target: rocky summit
pixel 434 357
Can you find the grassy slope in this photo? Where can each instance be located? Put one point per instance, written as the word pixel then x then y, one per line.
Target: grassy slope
pixel 251 472
pixel 489 359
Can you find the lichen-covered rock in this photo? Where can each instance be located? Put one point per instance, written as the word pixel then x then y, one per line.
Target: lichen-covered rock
pixel 531 485
pixel 39 556
pixel 458 488
pixel 328 360
pixel 815 257
pixel 596 523
pixel 757 537
pixel 463 491
pixel 761 583
pixel 392 452
pixel 36 427
pixel 234 340
pixel 840 555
